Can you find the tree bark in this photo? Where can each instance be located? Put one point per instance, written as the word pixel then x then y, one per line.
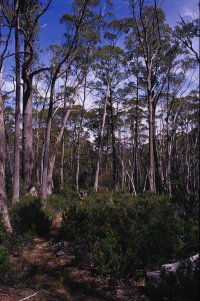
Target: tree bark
pixel 96 182
pixel 55 149
pixel 114 154
pixel 27 135
pixel 151 146
pixel 3 198
pixel 62 164
pixel 16 169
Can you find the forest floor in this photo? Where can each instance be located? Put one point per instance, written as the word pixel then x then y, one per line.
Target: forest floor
pixel 47 271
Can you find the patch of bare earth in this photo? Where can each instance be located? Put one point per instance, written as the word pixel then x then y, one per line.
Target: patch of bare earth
pixel 48 273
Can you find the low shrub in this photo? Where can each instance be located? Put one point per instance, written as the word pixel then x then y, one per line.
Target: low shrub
pixel 3 233
pixel 120 237
pixel 28 216
pixel 6 273
pixel 56 202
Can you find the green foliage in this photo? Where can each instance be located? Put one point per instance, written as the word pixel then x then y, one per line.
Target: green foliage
pixel 56 202
pixel 28 216
pixel 121 236
pixel 5 266
pixel 3 233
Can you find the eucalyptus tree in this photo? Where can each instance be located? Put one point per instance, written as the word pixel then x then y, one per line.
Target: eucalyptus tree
pixel 24 16
pixel 31 11
pixel 3 197
pixel 78 27
pixel 16 169
pixel 148 35
pixel 108 69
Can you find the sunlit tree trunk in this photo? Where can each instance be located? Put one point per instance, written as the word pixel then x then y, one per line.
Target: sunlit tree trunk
pixel 53 154
pixel 62 165
pixel 96 181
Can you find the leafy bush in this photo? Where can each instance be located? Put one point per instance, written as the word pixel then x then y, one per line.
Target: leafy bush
pixel 3 234
pixel 56 202
pixel 28 216
pixel 6 273
pixel 121 236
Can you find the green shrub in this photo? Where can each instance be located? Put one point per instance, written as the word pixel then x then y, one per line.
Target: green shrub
pixel 121 235
pixel 6 273
pixel 28 216
pixel 3 233
pixel 56 202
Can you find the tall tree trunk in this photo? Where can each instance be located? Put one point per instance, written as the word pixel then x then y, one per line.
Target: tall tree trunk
pixel 55 149
pixel 114 154
pixel 96 181
pixel 27 135
pixel 136 135
pixel 62 164
pixel 46 146
pixel 3 198
pixel 79 137
pixel 37 145
pixel 151 146
pixel 16 169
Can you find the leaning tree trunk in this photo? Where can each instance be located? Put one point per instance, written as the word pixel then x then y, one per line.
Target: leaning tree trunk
pixel 55 149
pixel 3 199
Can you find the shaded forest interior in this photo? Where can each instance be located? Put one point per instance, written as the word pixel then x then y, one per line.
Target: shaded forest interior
pixel 102 131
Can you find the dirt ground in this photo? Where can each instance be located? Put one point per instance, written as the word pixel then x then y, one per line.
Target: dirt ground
pixel 49 273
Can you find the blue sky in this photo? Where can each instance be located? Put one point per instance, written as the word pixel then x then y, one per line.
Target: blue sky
pixel 53 30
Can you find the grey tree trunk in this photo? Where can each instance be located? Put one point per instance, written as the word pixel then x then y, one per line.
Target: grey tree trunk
pixel 114 154
pixel 62 165
pixel 16 169
pixel 46 147
pixel 79 138
pixel 27 135
pixel 96 182
pixel 151 146
pixel 55 148
pixel 3 198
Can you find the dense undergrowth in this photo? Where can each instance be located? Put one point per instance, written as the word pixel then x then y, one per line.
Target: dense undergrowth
pixel 119 235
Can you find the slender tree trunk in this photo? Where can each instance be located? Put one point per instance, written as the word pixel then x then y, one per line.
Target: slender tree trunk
pixel 62 164
pixel 3 198
pixel 78 163
pixel 169 156
pixel 37 146
pixel 151 147
pixel 16 169
pixel 96 182
pixel 79 138
pixel 8 157
pixel 130 178
pixel 114 154
pixel 46 146
pixel 136 137
pixel 55 149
